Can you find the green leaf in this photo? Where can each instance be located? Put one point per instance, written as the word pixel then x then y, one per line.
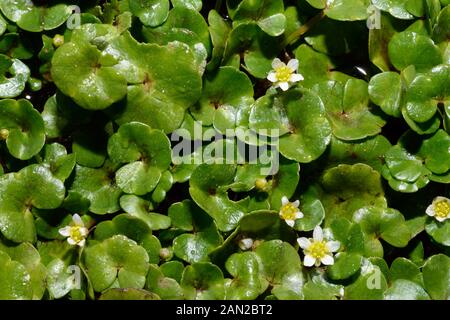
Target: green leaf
pixel 226 99
pixel 385 90
pixel 34 18
pixel 312 209
pixel 32 187
pixel 435 152
pixel 247 283
pixel 208 188
pixel 219 30
pixel 82 72
pixel 150 12
pixel 369 151
pixel 135 229
pixel 346 265
pixel 370 285
pixel 13 84
pixel 116 258
pixel 426 91
pixel 128 294
pixel 14 280
pixel 300 114
pixel 388 224
pixel 257 48
pixel 184 25
pixel 436 276
pixel 347 10
pixel 402 268
pixel 195 247
pixel 29 257
pixel 165 287
pixel 61 115
pixel 281 267
pixel 348 110
pixel 146 154
pixel 397 8
pixel 25 135
pixel 348 188
pixel 402 289
pixel 318 288
pixel 439 231
pixel 203 281
pixel 58 161
pixel 97 186
pixel 157 95
pixel 269 15
pixel 409 48
pixel 142 209
pixel 60 280
pixel 190 4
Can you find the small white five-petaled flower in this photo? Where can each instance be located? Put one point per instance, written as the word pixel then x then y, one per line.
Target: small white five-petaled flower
pixel 283 75
pixel 289 211
pixel 76 232
pixel 439 208
pixel 317 250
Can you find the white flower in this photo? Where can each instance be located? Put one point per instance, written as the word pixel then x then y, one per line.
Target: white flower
pixel 439 208
pixel 76 232
pixel 289 211
pixel 317 250
pixel 283 75
pixel 246 244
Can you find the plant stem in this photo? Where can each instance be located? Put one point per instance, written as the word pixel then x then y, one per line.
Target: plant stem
pixel 297 34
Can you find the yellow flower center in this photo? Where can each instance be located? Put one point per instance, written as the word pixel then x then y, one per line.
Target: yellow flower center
pixel 4 133
pixel 75 234
pixel 318 249
pixel 442 209
pixel 283 74
pixel 261 184
pixel 288 211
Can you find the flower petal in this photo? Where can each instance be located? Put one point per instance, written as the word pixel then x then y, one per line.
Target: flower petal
pixel 441 219
pixel 277 63
pixel 327 260
pixel 296 77
pixel 81 243
pixel 440 198
pixel 245 244
pixel 430 210
pixel 299 215
pixel 71 241
pixel 296 203
pixel 77 220
pixel 284 201
pixel 65 232
pixel 303 242
pixel 333 246
pixel 284 86
pixel 290 223
pixel 309 261
pixel 318 233
pixel 272 77
pixel 293 64
pixel 84 231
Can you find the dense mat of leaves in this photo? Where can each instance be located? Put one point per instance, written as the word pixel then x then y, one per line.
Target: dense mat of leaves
pixel 93 205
